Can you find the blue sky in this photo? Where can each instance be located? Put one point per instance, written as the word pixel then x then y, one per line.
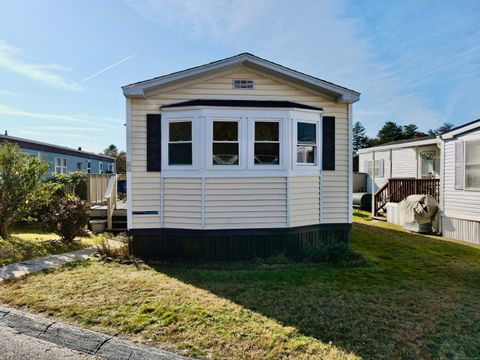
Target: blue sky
pixel 62 62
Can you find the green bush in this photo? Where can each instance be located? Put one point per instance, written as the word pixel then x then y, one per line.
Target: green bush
pixel 21 187
pixel 73 183
pixel 67 217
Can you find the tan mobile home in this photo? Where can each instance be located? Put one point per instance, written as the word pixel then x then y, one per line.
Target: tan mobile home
pixel 237 158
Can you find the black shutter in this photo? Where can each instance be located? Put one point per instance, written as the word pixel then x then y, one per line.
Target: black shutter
pixel 328 146
pixel 154 142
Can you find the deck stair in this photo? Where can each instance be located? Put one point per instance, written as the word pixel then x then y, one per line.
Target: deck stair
pixel 104 203
pixel 397 189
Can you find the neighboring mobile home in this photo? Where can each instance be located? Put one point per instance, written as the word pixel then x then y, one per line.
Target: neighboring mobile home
pixel 446 167
pixel 238 158
pixel 64 160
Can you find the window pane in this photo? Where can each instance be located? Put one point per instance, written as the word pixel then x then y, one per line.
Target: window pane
pixel 64 162
pixel 180 131
pixel 180 154
pixel 225 130
pixel 225 154
pixel 306 133
pixel 266 131
pixel 472 151
pixel 305 154
pixel 472 176
pixel 267 153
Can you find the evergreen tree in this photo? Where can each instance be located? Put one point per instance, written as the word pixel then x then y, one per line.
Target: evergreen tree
pixel 359 137
pixel 391 131
pixel 409 131
pixel 441 130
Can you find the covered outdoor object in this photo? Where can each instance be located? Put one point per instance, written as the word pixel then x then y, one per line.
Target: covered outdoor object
pixel 419 212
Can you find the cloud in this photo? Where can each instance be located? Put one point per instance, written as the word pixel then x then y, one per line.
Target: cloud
pixel 409 67
pixel 42 73
pixel 93 121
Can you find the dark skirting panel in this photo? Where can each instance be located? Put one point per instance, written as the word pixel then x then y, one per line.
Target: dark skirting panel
pixel 238 244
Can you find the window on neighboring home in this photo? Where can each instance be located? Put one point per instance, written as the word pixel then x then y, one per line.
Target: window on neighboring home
pixel 110 168
pixel 225 147
pixel 267 143
pixel 427 164
pixel 180 143
pixel 306 143
pixel 100 167
pixel 89 167
pixel 379 167
pixel 79 166
pixel 472 164
pixel 60 165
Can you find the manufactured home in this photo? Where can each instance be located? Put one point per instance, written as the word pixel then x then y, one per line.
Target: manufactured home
pixel 64 160
pixel 446 167
pixel 237 158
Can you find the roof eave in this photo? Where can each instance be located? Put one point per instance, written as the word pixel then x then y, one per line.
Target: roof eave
pixel 343 95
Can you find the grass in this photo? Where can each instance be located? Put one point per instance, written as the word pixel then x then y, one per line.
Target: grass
pixel 27 242
pixel 416 298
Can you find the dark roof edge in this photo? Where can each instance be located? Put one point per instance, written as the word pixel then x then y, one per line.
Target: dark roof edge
pixel 242 103
pixel 41 146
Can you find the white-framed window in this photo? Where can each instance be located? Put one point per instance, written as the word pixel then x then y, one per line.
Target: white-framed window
pixel 89 166
pixel 100 167
pixel 427 164
pixel 225 142
pixel 472 164
pixel 307 143
pixel 180 150
pixel 266 147
pixel 379 168
pixel 60 165
pixel 110 168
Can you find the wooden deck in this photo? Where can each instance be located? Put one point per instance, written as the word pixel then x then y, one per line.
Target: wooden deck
pixel 101 210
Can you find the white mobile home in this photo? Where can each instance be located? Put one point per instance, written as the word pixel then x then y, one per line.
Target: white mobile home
pixel 446 167
pixel 237 158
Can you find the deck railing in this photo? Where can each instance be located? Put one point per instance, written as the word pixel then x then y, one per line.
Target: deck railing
pixel 395 190
pixel 96 187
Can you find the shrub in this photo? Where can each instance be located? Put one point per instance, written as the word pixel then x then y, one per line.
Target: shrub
pixel 67 217
pixel 333 251
pixel 20 185
pixel 73 183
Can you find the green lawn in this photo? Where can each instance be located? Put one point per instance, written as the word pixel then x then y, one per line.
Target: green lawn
pixel 29 242
pixel 416 298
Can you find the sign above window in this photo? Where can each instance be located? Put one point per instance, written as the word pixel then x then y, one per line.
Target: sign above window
pixel 243 84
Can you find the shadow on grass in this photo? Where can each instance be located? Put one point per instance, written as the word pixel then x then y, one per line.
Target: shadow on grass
pixel 396 307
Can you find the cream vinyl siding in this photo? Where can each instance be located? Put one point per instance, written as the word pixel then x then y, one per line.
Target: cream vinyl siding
pixel 304 200
pixel 335 192
pixel 237 203
pixel 182 203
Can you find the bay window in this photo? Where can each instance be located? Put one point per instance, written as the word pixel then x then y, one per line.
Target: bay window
pixel 180 143
pixel 306 143
pixel 225 145
pixel 472 164
pixel 267 143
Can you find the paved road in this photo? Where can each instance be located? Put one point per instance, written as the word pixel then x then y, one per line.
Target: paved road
pixel 16 346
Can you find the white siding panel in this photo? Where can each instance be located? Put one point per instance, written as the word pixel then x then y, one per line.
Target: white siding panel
pixel 404 163
pixel 461 229
pixel 460 204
